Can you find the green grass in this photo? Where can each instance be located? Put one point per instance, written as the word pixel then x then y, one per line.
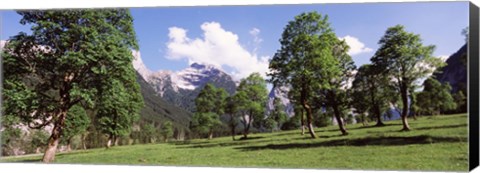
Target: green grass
pixel 436 143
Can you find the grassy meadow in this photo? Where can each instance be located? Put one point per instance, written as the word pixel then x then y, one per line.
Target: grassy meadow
pixel 435 143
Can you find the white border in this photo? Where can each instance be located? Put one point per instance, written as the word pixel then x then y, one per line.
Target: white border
pixel 58 4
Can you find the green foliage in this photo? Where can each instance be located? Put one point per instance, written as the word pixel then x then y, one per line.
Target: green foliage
pixel 278 113
pixel 404 59
pixel 292 123
pixel 323 119
pixel 210 104
pixel 167 130
pixel 435 97
pixel 372 92
pixel 68 51
pixel 231 109
pixel 251 99
pixel 460 100
pixel 350 119
pixel 69 57
pixel 270 124
pixel 39 139
pixel 10 137
pixel 313 63
pixel 148 133
pixel 305 53
pixel 205 123
pixel 76 123
pixel 118 109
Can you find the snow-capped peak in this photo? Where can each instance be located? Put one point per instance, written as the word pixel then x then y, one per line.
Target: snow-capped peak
pixel 194 76
pixel 187 79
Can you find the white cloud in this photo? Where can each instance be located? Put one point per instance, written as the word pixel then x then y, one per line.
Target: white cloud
pixel 256 39
pixel 217 47
pixel 356 47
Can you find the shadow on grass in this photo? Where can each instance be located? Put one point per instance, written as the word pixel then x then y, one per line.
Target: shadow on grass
pixel 189 143
pixel 374 126
pixel 25 161
pixel 369 141
pixel 441 127
pixel 420 128
pixel 357 128
pixel 226 144
pixel 251 138
pixel 290 133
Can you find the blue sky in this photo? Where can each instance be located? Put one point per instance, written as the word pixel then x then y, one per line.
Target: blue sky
pixel 171 37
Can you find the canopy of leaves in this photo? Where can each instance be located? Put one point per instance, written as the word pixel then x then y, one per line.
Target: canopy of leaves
pixel 210 104
pixel 118 108
pixel 371 89
pixel 305 60
pixel 435 97
pixel 205 122
pixel 76 123
pixel 252 97
pixel 404 58
pixel 64 60
pixel 167 129
pixel 278 113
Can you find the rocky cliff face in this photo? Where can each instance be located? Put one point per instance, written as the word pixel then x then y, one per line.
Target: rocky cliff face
pixel 282 94
pixel 455 73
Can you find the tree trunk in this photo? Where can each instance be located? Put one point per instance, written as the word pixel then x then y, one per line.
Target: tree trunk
pixel 247 129
pixel 109 142
pixel 379 116
pixel 233 131
pixel 54 139
pixel 210 134
pixel 404 94
pixel 84 136
pixel 339 120
pixel 303 98
pixel 302 121
pixel 309 119
pixel 115 140
pixel 69 144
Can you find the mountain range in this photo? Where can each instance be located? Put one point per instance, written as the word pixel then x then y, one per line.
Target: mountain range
pixel 182 87
pixel 455 73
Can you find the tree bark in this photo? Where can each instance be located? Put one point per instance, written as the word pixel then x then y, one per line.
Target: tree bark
pixel 69 144
pixel 379 116
pixel 54 139
pixel 115 140
pixel 404 94
pixel 233 131
pixel 338 117
pixel 376 106
pixel 309 119
pixel 303 98
pixel 339 120
pixel 84 136
pixel 302 121
pixel 247 129
pixel 109 142
pixel 210 134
